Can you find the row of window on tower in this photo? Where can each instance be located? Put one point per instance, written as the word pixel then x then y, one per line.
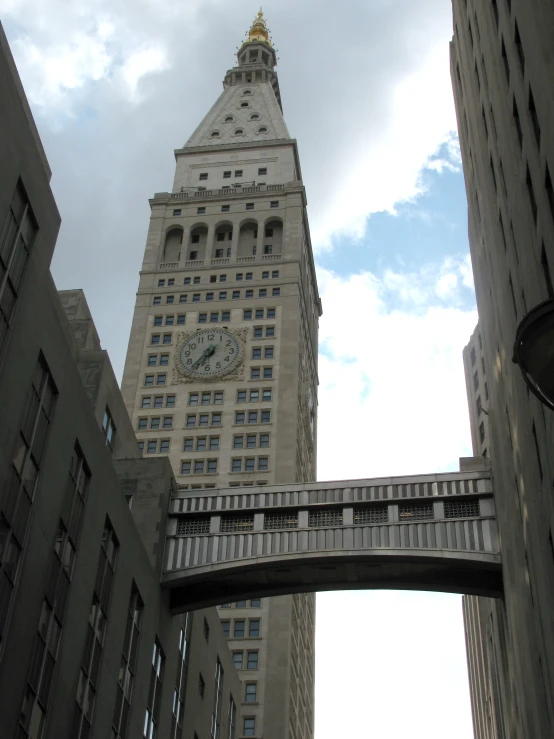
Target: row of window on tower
pixel 262 292
pixel 239 276
pixel 227 174
pixel 259 332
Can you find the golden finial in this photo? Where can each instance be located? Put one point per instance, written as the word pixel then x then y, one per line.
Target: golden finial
pixel 258 30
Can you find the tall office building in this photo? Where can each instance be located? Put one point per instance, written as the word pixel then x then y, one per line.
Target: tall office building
pixel 502 70
pixel 221 369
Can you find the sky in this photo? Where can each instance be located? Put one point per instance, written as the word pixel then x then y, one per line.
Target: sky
pixel 365 85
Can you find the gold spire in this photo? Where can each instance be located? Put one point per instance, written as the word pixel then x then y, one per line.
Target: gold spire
pixel 258 31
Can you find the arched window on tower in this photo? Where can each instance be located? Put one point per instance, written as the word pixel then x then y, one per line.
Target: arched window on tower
pixel 248 235
pixel 172 246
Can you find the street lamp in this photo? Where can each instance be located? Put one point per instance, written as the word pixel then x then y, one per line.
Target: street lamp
pixel 534 351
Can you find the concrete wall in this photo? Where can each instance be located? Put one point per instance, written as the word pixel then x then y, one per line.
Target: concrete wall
pixel 502 69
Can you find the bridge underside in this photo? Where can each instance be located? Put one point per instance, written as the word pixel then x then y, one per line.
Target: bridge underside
pixel 443 571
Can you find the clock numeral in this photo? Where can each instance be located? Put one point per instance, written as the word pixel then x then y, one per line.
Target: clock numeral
pixel 193 346
pixel 189 361
pixel 200 339
pixel 228 342
pixel 226 359
pixel 187 354
pixel 210 337
pixel 231 350
pixel 206 367
pixel 218 365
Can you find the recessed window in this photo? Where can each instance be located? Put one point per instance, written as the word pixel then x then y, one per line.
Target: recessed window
pixel 225 208
pixel 238 172
pixel 177 212
pixel 249 206
pixel 239 132
pixel 274 204
pixel 247 92
pixel 254 117
pixel 214 134
pixel 203 176
pixel 228 119
pixel 245 105
pixel 227 175
pixel 262 129
pixel 201 211
pixel 251 692
pixel 262 171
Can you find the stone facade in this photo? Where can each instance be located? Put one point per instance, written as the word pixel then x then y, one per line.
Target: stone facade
pixel 229 248
pixel 502 69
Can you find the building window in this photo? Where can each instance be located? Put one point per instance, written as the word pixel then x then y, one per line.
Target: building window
pixel 218 701
pixel 16 240
pixel 268 373
pixel 20 488
pixel 238 630
pixel 108 427
pixel 262 171
pixel 249 206
pixel 249 294
pixel 203 176
pixel 270 331
pixel 157 299
pixel 166 339
pixel 201 210
pixel 128 665
pixel 265 417
pixel 152 717
pixel 232 718
pixel 225 208
pixel 155 339
pixel 256 603
pixel 249 728
pixel 255 373
pixel 250 693
pixel 238 172
pixel 254 627
pixel 237 660
pixel 92 655
pixel 274 204
pixel 247 315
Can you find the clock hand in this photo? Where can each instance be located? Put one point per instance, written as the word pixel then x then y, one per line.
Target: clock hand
pixel 200 359
pixel 205 356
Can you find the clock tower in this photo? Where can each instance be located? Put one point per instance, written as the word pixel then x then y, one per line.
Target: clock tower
pixel 221 368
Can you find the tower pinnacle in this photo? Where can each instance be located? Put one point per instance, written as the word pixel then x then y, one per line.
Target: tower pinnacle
pixel 258 31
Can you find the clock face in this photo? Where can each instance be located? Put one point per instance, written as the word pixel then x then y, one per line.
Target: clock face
pixel 210 353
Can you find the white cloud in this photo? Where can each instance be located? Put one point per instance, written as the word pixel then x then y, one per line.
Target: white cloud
pixel 141 63
pixel 392 392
